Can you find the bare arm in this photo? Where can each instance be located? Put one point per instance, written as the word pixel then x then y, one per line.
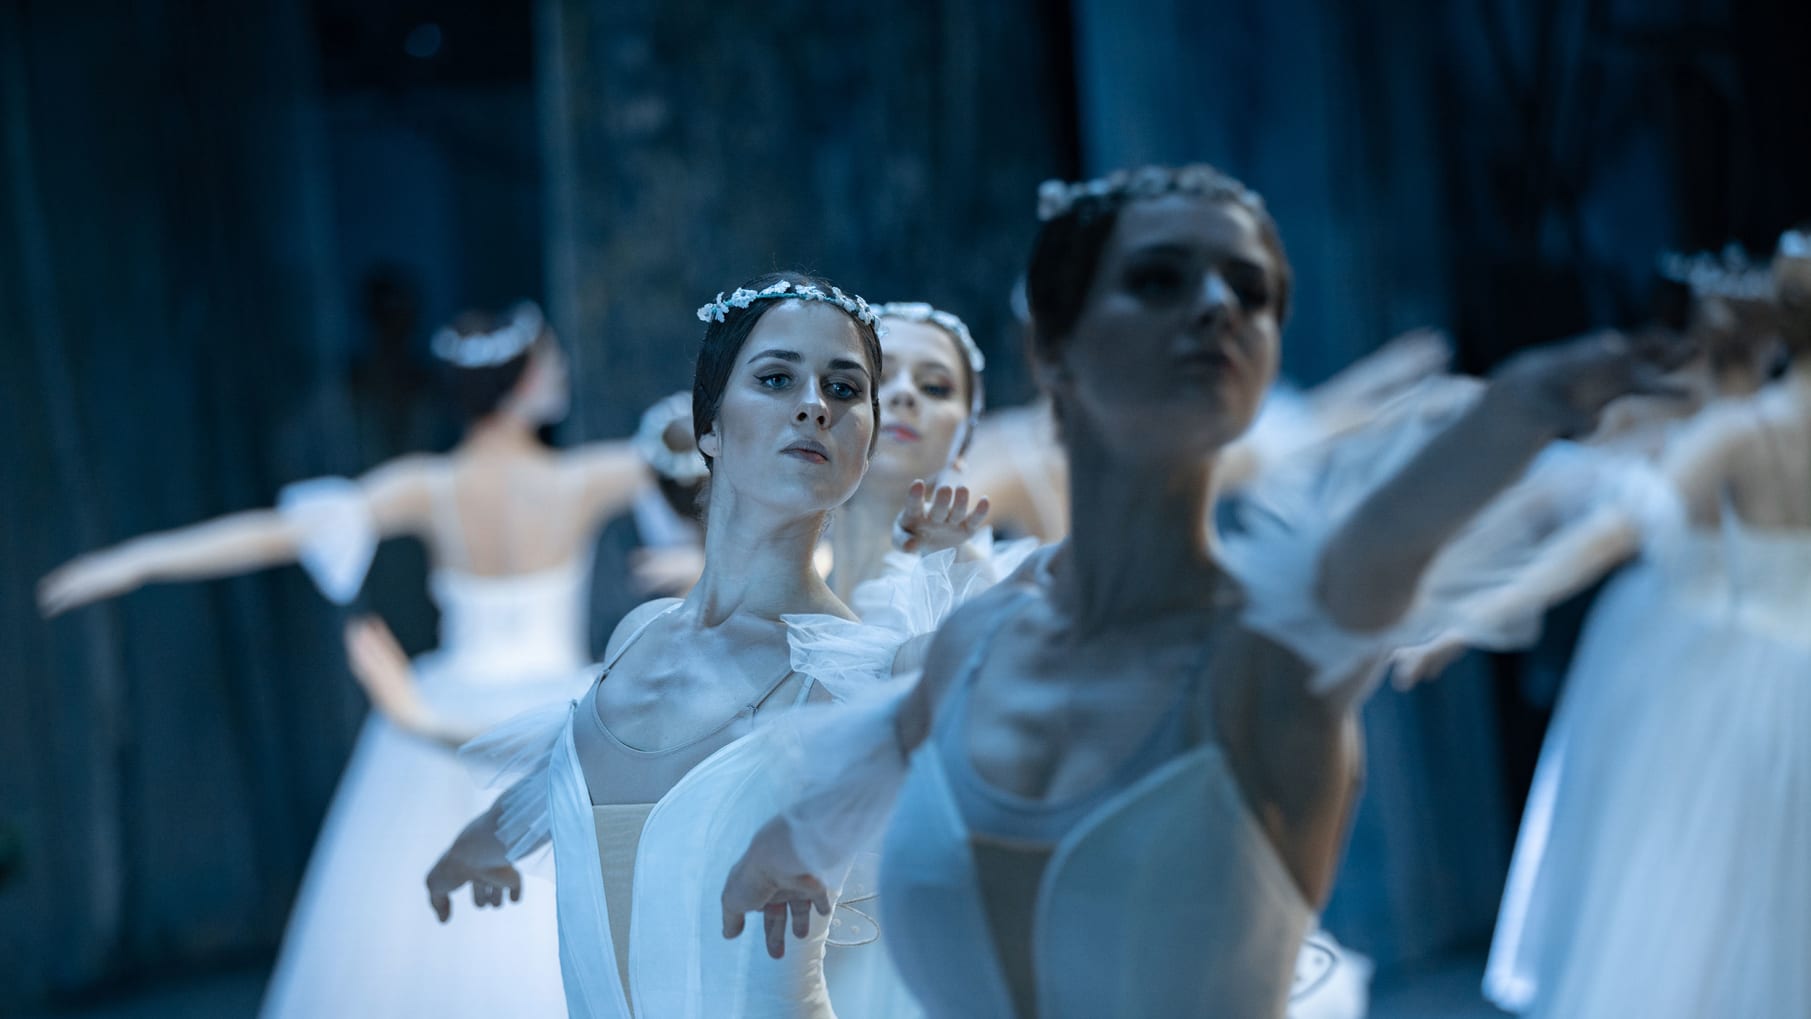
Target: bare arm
pixel 1370 568
pixel 611 475
pixel 237 543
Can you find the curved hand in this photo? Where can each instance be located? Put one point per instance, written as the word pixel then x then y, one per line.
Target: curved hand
pixel 477 857
pixel 943 521
pixel 388 678
pixel 1574 381
pixel 770 878
pixel 87 578
pixel 1412 665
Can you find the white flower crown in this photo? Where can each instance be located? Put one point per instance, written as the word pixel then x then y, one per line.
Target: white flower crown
pixel 1728 275
pixel 918 311
pixel 718 310
pixel 499 346
pixel 1058 198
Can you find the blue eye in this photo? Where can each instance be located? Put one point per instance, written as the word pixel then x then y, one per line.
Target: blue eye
pixel 775 380
pixel 939 390
pixel 843 390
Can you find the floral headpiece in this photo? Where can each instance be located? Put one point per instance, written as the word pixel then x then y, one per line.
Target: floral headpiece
pixel 718 310
pixel 1058 198
pixel 1728 275
pixel 499 346
pixel 685 468
pixel 918 311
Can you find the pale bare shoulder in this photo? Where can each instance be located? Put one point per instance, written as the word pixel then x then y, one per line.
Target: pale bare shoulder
pixel 632 623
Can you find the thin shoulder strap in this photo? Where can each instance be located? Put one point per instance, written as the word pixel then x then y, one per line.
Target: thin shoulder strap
pixel 635 635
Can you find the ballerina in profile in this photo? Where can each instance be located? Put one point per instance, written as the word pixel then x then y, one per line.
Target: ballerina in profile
pixel 508 524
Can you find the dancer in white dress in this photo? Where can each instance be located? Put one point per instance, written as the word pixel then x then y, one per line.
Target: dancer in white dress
pixel 508 525
pixel 1664 860
pixel 638 786
pixel 1133 769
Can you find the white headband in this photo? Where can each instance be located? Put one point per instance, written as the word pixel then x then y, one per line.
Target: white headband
pixel 485 350
pixel 1728 275
pixel 718 310
pixel 1058 198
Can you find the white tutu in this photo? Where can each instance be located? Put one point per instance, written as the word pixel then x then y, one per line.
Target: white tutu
pixel 362 939
pixel 1664 862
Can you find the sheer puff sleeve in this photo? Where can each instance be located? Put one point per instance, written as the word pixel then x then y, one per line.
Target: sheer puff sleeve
pixel 336 534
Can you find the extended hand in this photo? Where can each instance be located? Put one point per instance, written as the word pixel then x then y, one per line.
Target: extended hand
pixel 1412 665
pixel 85 579
pixel 943 521
pixel 770 877
pixel 1572 382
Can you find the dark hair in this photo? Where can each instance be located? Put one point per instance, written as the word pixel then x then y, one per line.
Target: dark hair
pixel 1792 297
pixel 1066 255
pixel 478 391
pixel 723 341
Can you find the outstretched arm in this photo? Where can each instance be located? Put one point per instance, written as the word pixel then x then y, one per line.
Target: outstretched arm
pixel 1568 563
pixel 229 545
pixel 396 498
pixel 1369 570
pixel 611 474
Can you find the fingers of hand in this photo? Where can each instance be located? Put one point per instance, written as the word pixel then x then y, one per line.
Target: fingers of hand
pixel 959 505
pixel 979 516
pixel 940 505
pixel 801 917
pixel 773 919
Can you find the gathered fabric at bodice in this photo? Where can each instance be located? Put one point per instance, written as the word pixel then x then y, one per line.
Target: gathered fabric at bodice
pixel 1759 580
pixel 504 628
pixel 643 839
pixel 1156 893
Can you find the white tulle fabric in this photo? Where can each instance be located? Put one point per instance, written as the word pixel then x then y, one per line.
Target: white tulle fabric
pixel 679 963
pixel 855 661
pixel 338 536
pixel 1285 519
pixel 1664 861
pixel 845 766
pixel 361 940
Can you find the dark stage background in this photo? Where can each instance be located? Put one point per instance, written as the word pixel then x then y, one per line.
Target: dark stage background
pixel 227 229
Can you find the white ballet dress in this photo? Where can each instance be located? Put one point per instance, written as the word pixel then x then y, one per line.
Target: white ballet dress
pixel 1663 867
pixel 638 877
pixel 361 938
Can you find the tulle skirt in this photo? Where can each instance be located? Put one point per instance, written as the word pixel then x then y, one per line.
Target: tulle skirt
pixel 362 940
pixel 1664 862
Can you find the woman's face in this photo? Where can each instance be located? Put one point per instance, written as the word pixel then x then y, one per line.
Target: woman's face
pixel 1177 341
pixel 795 425
pixel 543 395
pixel 924 402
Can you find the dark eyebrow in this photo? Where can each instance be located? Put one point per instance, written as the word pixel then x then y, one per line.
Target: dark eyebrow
pixel 844 364
pixel 784 355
